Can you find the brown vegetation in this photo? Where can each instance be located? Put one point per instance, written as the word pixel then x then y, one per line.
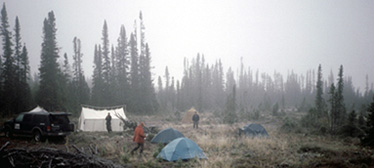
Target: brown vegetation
pixel 224 148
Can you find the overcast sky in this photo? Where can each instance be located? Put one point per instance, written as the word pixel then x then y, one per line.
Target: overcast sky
pixel 270 35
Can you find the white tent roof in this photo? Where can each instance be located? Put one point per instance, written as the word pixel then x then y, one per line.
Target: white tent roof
pixel 89 113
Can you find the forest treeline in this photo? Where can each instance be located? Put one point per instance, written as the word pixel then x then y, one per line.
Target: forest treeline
pixel 122 75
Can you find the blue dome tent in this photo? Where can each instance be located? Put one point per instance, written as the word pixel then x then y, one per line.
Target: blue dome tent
pixel 167 135
pixel 253 130
pixel 181 148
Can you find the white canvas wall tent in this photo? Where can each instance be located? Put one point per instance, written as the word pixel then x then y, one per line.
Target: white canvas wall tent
pixel 92 119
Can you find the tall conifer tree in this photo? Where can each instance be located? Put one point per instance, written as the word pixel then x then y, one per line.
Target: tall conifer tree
pixel 51 91
pixel 106 68
pixel 97 79
pixel 8 75
pixel 319 101
pixel 122 66
pixel 80 86
pixel 340 99
pixel 23 93
pixel 134 74
pixel 368 139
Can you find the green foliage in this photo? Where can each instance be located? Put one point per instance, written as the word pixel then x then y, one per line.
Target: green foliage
pixel 8 76
pixel 338 110
pixel 368 139
pixel 229 115
pixel 320 103
pixel 52 91
pixel 125 158
pixel 350 128
pixel 158 150
pixel 97 80
pixel 309 120
pixel 289 125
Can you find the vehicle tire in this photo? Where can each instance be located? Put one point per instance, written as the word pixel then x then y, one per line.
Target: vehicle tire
pixel 8 133
pixel 37 136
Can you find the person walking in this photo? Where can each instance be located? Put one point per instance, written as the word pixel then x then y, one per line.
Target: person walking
pixel 139 138
pixel 195 119
pixel 108 119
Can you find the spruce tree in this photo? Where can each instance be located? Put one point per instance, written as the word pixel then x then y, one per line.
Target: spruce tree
pixel 334 114
pixel 106 68
pixel 67 85
pixel 18 45
pixel 218 85
pixel 51 94
pixel 351 127
pixel 340 99
pixel 66 68
pixel 97 79
pixel 80 86
pixel 134 75
pixel 151 104
pixel 23 94
pixel 146 91
pixel 229 115
pixel 319 101
pixel 8 75
pixel 122 67
pixel 368 139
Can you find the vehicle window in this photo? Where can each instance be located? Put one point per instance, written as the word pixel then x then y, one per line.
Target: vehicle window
pixel 19 118
pixel 59 119
pixel 27 118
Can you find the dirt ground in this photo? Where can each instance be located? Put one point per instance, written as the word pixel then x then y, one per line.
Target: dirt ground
pixel 221 144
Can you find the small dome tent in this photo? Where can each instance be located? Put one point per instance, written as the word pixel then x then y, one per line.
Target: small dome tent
pixel 167 135
pixel 253 130
pixel 93 118
pixel 181 148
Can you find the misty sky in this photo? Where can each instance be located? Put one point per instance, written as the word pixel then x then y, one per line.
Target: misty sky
pixel 269 35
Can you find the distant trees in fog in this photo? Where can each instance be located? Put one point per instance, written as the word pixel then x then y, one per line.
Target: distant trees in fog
pixel 122 74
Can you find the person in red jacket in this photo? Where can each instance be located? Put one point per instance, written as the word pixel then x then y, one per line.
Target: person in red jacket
pixel 139 138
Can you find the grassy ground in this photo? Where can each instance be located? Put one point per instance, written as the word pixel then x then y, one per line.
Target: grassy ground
pixel 224 148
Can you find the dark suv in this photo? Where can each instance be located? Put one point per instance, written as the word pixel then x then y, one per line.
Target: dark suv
pixel 39 125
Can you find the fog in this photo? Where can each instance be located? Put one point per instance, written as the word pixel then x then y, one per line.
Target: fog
pixel 273 35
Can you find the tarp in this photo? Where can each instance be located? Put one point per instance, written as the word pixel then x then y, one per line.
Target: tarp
pixel 181 148
pixel 167 135
pixel 254 130
pixel 187 118
pixel 93 119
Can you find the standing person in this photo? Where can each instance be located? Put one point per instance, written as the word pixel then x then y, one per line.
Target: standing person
pixel 195 119
pixel 139 138
pixel 108 119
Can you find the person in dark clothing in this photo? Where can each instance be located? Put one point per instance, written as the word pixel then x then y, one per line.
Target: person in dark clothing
pixel 108 119
pixel 195 119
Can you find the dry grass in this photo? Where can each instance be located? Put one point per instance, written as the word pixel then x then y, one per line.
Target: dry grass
pixel 225 149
